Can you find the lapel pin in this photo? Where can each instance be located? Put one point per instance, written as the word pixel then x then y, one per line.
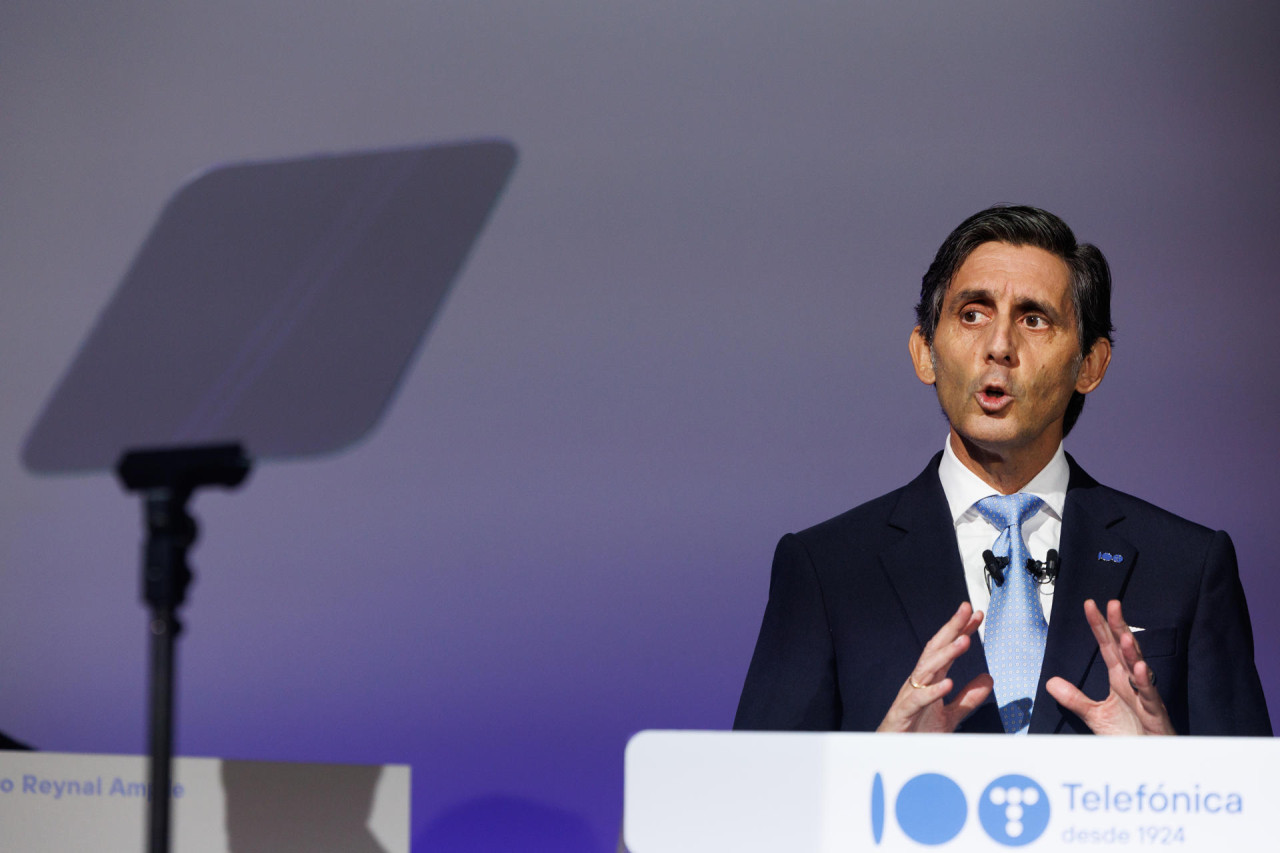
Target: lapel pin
pixel 1108 557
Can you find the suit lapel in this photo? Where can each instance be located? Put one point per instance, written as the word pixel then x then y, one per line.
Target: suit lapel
pixel 1096 563
pixel 925 571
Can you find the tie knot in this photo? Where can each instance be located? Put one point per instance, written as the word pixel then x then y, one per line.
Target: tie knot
pixel 1009 510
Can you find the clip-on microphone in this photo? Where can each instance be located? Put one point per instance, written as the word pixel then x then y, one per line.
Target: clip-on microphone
pixel 995 567
pixel 1046 572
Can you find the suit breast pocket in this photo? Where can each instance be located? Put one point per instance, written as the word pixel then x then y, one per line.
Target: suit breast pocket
pixel 1157 642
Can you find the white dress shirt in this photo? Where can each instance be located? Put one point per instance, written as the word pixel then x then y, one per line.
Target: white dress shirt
pixel 974 534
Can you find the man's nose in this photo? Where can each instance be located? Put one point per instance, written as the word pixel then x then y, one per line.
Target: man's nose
pixel 1001 343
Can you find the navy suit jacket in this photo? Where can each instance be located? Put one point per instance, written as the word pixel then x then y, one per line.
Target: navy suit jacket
pixel 853 600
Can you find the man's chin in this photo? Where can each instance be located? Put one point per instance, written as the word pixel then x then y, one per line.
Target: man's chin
pixel 992 436
pixel 1001 438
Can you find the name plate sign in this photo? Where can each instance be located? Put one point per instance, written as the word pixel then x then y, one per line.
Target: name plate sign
pixel 64 801
pixel 772 791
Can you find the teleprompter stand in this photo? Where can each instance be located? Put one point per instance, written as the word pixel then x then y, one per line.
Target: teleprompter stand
pixel 274 305
pixel 166 480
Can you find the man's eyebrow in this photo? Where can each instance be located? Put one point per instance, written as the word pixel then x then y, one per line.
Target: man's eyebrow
pixel 973 294
pixel 1035 306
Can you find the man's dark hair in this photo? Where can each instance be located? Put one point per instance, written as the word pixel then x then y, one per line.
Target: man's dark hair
pixel 1019 225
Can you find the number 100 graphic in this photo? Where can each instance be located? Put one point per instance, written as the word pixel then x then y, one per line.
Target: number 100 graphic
pixel 932 809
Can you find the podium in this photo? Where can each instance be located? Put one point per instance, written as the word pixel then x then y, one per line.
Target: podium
pixel 63 801
pixel 762 792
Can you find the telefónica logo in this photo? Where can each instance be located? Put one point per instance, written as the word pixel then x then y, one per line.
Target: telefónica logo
pixel 932 809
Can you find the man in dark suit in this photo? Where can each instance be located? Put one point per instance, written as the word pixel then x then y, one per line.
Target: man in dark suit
pixel 875 618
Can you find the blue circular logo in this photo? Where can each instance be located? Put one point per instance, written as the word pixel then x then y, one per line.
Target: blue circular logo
pixel 1014 810
pixel 931 809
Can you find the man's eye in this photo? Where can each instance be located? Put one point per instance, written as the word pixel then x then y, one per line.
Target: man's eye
pixel 1036 321
pixel 969 316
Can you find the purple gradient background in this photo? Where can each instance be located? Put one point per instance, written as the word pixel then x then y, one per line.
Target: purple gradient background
pixel 682 334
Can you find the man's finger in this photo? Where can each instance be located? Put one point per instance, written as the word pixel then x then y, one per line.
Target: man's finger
pixel 935 664
pixel 970 697
pixel 1102 634
pixel 1130 651
pixel 945 646
pixel 1069 696
pixel 963 621
pixel 1115 617
pixel 1143 676
pixel 911 703
pixel 912 700
pixel 1144 682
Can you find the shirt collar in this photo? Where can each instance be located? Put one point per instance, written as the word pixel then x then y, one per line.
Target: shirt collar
pixel 964 488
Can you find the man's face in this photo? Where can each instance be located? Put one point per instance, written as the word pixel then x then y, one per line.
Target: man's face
pixel 1006 355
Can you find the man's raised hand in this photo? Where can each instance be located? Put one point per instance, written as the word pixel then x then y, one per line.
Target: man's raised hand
pixel 1132 707
pixel 920 705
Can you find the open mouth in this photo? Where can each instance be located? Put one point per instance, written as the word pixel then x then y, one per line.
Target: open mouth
pixel 993 398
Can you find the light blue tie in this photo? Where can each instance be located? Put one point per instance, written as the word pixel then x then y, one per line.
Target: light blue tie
pixel 1016 627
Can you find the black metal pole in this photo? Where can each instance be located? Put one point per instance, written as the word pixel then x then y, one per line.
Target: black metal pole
pixel 167 479
pixel 171 531
pixel 163 633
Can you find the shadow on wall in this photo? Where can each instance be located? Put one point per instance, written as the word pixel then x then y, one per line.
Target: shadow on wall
pixel 299 808
pixel 505 825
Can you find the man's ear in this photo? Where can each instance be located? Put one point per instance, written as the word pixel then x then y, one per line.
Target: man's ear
pixel 1094 366
pixel 921 357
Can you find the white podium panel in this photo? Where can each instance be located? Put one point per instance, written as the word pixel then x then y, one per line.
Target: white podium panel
pixel 767 792
pixel 61 801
